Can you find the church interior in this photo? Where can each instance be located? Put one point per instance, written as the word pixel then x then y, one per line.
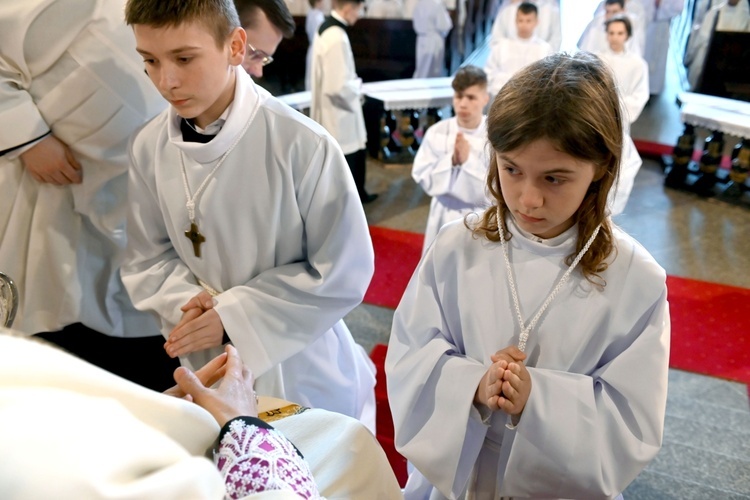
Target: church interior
pixel 701 239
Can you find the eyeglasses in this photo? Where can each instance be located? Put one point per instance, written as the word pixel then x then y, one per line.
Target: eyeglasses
pixel 258 55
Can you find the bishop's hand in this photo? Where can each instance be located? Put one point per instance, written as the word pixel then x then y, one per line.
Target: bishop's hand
pixel 234 396
pixel 208 374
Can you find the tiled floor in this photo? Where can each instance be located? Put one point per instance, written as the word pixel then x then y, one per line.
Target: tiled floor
pixel 706 450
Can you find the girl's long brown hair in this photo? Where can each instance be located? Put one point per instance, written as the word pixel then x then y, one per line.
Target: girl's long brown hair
pixel 571 101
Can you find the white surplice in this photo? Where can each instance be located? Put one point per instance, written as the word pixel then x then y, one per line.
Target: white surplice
pixel 598 361
pixel 287 247
pixel 107 437
pixel 631 76
pixel 70 67
pixel 509 55
pixel 431 23
pixel 336 90
pixel 455 190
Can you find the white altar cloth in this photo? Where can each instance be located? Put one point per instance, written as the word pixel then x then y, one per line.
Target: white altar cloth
pixel 409 93
pixel 729 116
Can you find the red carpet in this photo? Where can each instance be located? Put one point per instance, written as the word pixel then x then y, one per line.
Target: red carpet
pixel 710 328
pixel 384 420
pixel 397 254
pixel 710 322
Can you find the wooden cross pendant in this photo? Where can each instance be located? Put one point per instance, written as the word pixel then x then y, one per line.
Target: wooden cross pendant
pixel 194 235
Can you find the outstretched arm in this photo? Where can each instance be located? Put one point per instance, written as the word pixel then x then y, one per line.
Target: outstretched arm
pixel 251 455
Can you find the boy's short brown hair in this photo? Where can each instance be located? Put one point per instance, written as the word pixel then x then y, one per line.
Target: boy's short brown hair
pixel 219 16
pixel 528 8
pixel 468 76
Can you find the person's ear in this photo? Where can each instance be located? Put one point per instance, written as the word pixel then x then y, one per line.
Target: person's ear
pixel 237 46
pixel 486 95
pixel 601 171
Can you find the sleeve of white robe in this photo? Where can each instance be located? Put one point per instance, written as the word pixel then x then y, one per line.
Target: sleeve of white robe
pixel 77 446
pixel 433 169
pixel 342 88
pixel 94 435
pixel 345 458
pixel 428 377
pixel 72 430
pixel 281 310
pixel 19 57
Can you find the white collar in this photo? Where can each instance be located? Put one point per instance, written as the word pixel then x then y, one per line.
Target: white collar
pixel 622 53
pixel 214 127
pixel 563 244
pixel 244 106
pixel 472 130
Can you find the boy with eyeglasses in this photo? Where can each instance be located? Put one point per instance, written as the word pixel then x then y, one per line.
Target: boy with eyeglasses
pixel 244 223
pixel 266 22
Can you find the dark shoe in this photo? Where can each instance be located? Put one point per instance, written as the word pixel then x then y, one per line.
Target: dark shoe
pixel 368 198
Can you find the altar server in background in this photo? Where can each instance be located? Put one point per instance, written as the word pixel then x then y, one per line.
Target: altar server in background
pixel 548 28
pixel 509 55
pixel 244 223
pixel 336 90
pixel 631 77
pixel 521 348
pixel 451 163
pixel 594 36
